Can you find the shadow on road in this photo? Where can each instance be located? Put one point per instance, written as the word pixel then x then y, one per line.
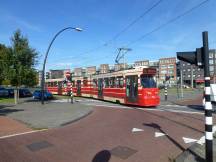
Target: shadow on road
pixel 174 121
pixel 158 127
pixel 5 109
pixel 196 107
pixel 102 156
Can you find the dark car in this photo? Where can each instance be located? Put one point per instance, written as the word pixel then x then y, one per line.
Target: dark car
pixel 47 95
pixel 24 92
pixel 3 92
pixel 10 92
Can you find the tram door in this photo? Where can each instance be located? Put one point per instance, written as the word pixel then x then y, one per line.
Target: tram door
pixel 132 88
pixel 100 88
pixel 78 87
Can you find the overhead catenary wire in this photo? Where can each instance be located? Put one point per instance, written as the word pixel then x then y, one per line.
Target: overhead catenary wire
pixel 134 21
pixel 168 22
pixel 165 24
pixel 148 33
pixel 123 30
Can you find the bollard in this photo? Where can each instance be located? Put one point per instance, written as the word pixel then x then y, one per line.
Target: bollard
pixel 165 92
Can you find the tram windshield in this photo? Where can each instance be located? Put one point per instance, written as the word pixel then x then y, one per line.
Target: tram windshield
pixel 147 81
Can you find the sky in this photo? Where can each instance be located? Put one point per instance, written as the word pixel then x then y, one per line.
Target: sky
pixel 101 20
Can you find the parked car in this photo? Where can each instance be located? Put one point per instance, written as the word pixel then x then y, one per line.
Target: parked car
pixel 24 92
pixel 10 92
pixel 37 95
pixel 3 92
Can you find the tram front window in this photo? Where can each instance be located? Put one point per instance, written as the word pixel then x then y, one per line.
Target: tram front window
pixel 148 81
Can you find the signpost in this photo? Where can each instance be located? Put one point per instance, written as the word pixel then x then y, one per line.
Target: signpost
pixel 200 57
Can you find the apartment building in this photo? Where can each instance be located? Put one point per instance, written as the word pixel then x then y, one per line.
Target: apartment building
pixel 141 63
pixel 192 73
pixel 91 70
pixel 104 68
pixel 167 67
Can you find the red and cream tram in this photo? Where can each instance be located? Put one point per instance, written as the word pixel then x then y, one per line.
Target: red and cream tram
pixel 133 86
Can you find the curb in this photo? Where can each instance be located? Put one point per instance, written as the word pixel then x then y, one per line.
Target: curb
pixel 77 119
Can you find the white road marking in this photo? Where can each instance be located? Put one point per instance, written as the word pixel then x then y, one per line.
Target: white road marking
pixel 175 106
pixel 137 130
pixel 120 107
pixel 78 100
pixel 183 111
pixel 146 109
pixel 202 139
pixel 18 134
pixel 189 140
pixel 159 134
pixel 59 101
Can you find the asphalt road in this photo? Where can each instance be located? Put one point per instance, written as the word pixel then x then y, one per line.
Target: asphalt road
pixel 112 133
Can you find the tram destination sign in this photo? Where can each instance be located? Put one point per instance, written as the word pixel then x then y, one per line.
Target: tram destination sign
pixel 149 71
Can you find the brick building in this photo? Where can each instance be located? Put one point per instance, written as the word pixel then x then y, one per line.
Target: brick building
pixel 167 67
pixel 77 72
pixel 54 74
pixel 141 63
pixel 189 73
pixel 120 66
pixel 193 73
pixel 91 70
pixel 104 68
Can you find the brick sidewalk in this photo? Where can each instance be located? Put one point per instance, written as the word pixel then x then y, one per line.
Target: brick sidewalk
pixel 9 126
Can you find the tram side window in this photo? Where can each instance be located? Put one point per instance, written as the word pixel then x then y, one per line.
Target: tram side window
pixel 147 81
pixel 112 82
pixel 106 82
pixel 94 83
pixel 49 84
pixel 119 82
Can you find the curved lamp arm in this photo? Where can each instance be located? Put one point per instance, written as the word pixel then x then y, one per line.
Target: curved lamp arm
pixel 46 55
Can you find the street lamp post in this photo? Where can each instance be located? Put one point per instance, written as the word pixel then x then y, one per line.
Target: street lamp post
pixel 44 64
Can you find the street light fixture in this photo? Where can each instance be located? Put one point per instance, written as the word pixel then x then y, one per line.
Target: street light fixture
pixel 44 64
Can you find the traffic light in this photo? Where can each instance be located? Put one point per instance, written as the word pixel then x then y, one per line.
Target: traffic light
pixel 192 57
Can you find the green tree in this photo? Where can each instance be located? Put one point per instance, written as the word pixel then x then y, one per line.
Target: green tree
pixel 5 62
pixel 23 60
